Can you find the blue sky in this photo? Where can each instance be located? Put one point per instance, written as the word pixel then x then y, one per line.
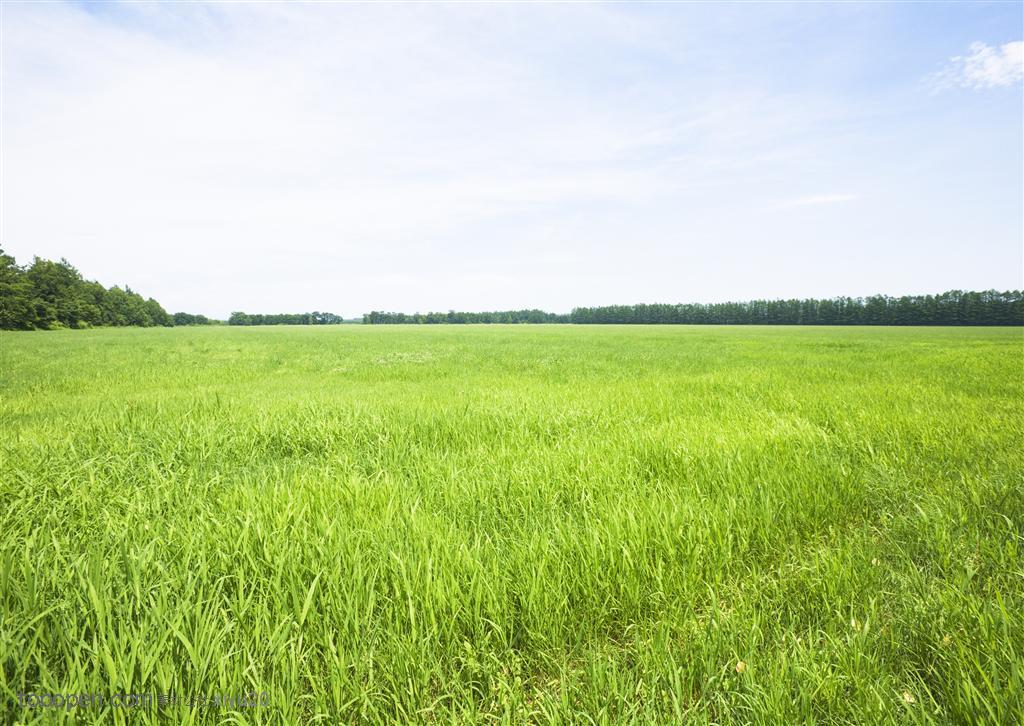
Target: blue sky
pixel 347 157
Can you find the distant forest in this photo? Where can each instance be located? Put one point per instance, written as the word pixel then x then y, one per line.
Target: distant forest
pixel 506 316
pixel 46 295
pixel 949 308
pixel 315 318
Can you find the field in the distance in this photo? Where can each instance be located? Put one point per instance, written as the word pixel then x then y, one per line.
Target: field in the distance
pixel 523 523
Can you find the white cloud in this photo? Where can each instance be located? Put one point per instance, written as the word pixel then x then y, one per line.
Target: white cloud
pixel 984 67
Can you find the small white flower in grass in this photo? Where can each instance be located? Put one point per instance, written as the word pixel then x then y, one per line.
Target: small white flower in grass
pixel 874 561
pixel 908 697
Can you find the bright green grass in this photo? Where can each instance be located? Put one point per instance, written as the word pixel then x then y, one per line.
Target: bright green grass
pixel 543 524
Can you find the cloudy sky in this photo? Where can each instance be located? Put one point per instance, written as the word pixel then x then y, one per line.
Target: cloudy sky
pixel 349 157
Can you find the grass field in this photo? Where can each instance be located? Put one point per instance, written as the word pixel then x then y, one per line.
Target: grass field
pixel 517 524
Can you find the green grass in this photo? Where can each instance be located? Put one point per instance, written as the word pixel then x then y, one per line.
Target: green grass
pixel 516 524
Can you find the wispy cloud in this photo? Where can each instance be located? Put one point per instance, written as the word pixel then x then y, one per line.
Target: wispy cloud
pixel 984 67
pixel 816 200
pixel 280 156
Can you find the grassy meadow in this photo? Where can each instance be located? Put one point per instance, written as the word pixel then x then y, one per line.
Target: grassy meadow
pixel 515 524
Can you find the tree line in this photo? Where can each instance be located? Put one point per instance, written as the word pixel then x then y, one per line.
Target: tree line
pixel 955 307
pixel 456 318
pixel 314 318
pixel 46 295
pixel 190 319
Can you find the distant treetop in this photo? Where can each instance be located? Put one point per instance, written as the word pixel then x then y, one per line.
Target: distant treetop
pixel 314 318
pixel 47 295
pixel 955 307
